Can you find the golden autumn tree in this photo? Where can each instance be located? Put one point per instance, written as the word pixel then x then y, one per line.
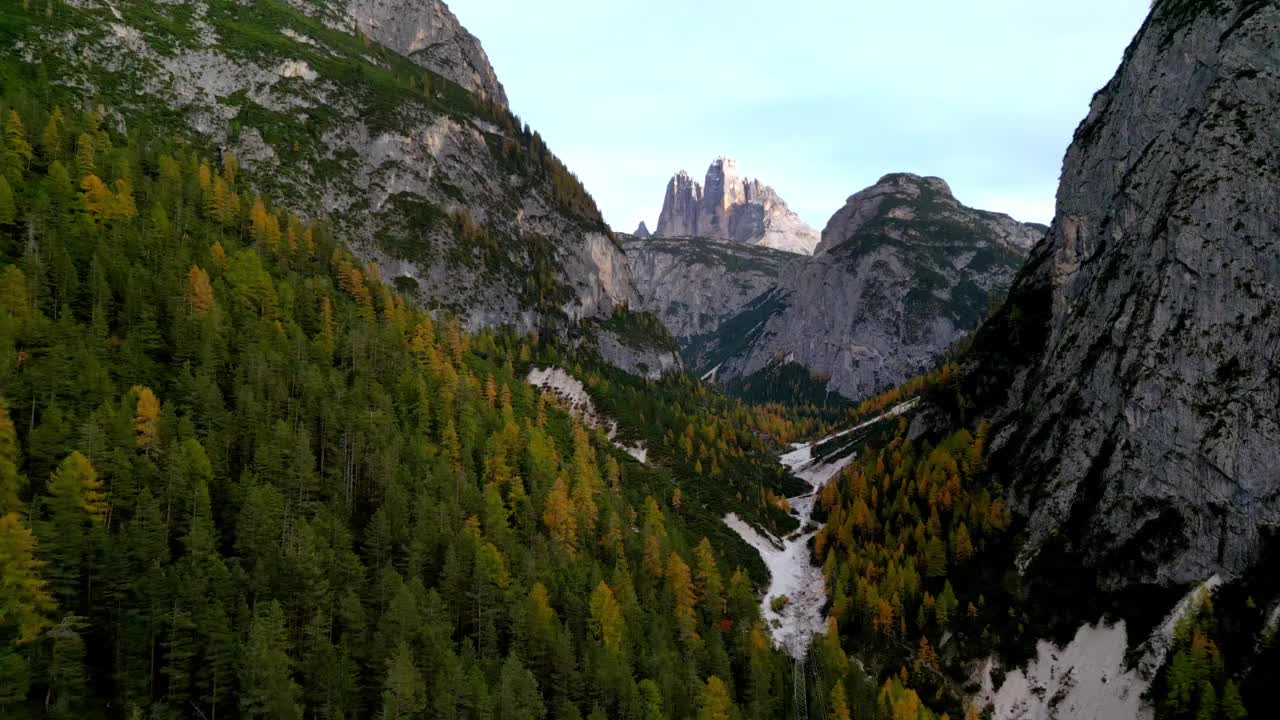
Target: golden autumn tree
pixel 199 291
pixel 15 139
pixel 24 597
pixel 86 155
pixel 146 418
pixel 559 515
pixel 219 254
pixel 839 702
pixel 716 703
pixel 680 583
pixel 96 198
pixel 606 618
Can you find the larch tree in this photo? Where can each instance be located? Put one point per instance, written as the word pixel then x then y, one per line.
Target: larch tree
pixel 199 292
pixel 680 583
pixel 559 516
pixel 716 703
pixel 146 418
pixel 606 618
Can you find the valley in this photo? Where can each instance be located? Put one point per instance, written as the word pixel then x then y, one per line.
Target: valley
pixel 327 392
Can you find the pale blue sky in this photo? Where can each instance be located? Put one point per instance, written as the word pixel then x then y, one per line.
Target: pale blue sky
pixel 817 98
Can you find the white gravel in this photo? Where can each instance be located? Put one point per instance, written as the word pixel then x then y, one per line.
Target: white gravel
pixel 573 392
pixel 791 572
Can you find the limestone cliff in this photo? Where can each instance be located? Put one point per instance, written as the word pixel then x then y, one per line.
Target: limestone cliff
pixel 422 171
pixel 903 271
pixel 731 207
pixel 1133 373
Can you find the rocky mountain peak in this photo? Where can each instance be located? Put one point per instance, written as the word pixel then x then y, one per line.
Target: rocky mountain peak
pixel 899 198
pixel 727 206
pixel 642 232
pixel 428 33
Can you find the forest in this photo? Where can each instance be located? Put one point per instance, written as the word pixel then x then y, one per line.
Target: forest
pixel 240 476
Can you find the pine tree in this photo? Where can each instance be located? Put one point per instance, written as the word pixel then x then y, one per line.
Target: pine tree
pixel 404 692
pixel 51 137
pixel 8 210
pixel 267 689
pixel 15 140
pixel 66 672
pixel 12 484
pixel 75 502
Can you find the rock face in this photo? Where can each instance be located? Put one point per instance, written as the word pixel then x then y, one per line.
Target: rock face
pixel 438 186
pixel 642 232
pixel 730 207
pixel 427 32
pixel 694 285
pixel 903 271
pixel 1133 372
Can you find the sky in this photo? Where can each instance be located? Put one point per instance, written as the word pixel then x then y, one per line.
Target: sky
pixel 818 98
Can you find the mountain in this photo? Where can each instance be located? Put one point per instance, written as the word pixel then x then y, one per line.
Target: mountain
pixel 695 284
pixel 1132 374
pixel 731 207
pixel 382 115
pixel 903 271
pixel 642 232
pixel 426 32
pixel 1109 434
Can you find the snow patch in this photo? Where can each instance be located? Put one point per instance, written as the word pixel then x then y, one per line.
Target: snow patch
pixel 710 375
pixel 572 391
pixel 1085 680
pixel 1156 649
pixel 1272 627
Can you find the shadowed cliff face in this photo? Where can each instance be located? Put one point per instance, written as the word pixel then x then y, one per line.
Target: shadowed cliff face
pixel 1134 370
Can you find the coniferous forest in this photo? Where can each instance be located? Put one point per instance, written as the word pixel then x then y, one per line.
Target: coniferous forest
pixel 241 477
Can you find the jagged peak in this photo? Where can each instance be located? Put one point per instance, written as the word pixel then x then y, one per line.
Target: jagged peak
pixel 642 231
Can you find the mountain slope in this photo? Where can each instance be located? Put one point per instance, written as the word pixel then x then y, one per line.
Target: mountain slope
pixel 695 284
pixel 903 271
pixel 443 188
pixel 1138 419
pixel 731 207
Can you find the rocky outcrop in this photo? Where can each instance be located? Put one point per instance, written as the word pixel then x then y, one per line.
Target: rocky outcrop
pixel 1133 373
pixel 647 361
pixel 730 207
pixel 903 271
pixel 442 190
pixel 694 285
pixel 427 32
pixel 642 232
